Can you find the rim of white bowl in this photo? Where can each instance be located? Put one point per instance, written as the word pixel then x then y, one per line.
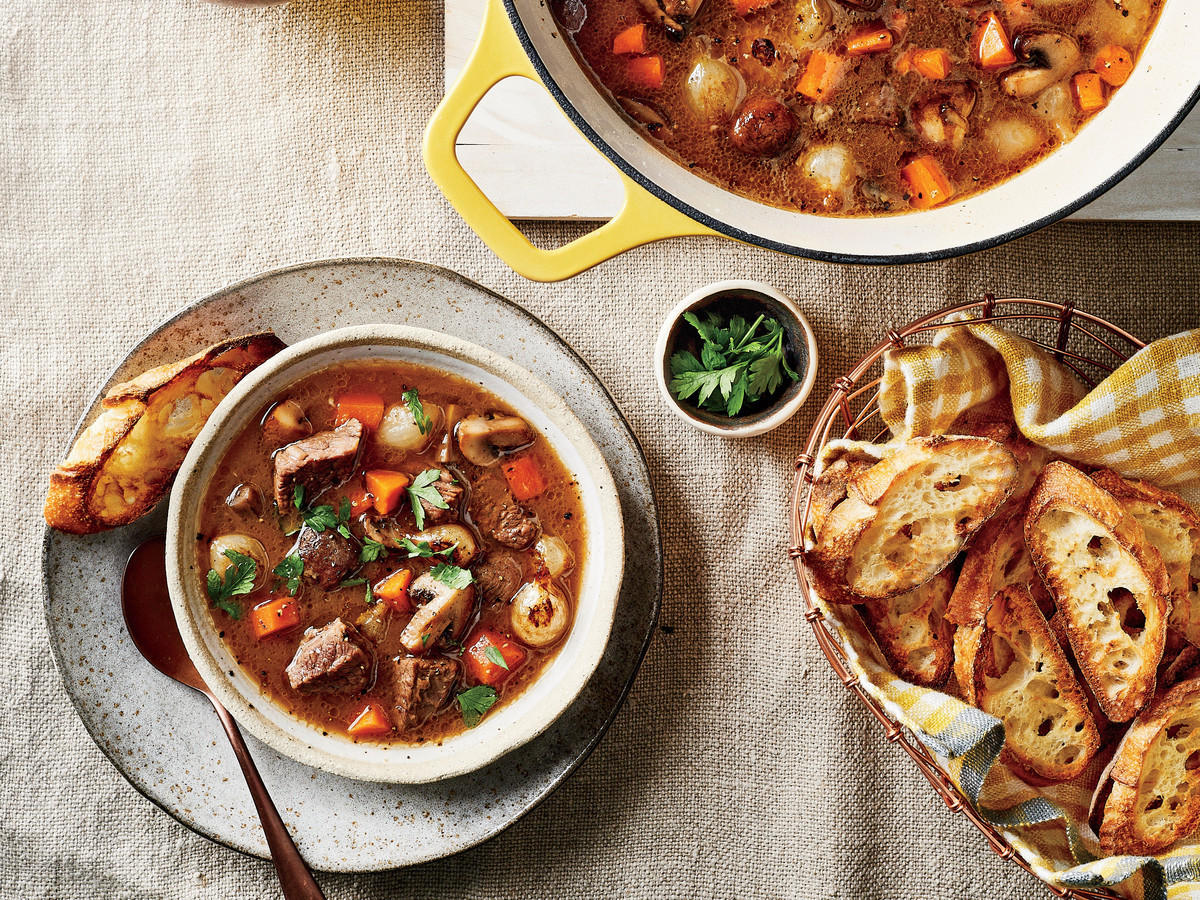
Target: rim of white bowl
pixel 758 426
pixel 513 724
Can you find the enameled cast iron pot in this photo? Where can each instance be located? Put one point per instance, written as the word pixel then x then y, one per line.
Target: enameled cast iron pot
pixel 664 199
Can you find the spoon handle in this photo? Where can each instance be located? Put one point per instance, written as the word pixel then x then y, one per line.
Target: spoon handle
pixel 294 876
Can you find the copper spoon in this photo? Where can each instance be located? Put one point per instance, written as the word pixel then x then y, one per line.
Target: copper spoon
pixel 151 624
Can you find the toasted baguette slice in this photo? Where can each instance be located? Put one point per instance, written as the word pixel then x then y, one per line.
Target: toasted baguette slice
pixel 1012 668
pixel 996 559
pixel 1107 581
pixel 1173 529
pixel 913 633
pixel 995 420
pixel 1153 788
pixel 123 463
pixel 905 518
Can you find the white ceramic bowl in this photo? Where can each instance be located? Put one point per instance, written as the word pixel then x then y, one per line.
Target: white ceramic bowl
pixel 510 725
pixel 791 395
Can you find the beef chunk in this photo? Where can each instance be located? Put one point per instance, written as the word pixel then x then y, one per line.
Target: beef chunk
pixel 515 528
pixel 328 557
pixel 318 462
pixel 335 657
pixel 498 577
pixel 423 686
pixel 451 492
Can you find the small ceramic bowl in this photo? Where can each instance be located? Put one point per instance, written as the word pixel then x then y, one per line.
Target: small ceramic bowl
pixel 749 299
pixel 502 730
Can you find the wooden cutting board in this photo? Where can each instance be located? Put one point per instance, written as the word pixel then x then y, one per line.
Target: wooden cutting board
pixel 526 156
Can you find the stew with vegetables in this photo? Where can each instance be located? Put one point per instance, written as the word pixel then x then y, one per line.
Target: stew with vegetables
pixel 859 107
pixel 390 552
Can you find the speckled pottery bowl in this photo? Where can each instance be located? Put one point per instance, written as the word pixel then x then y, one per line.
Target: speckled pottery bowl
pixel 506 728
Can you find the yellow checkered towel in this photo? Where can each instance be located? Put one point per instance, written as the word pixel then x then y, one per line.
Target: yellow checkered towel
pixel 1143 421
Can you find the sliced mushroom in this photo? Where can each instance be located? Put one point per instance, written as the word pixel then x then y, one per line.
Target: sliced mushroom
pixel 247 500
pixel 286 422
pixel 646 113
pixel 540 613
pixel 444 608
pixel 1051 57
pixel 942 119
pixel 387 531
pixel 482 440
pixel 675 16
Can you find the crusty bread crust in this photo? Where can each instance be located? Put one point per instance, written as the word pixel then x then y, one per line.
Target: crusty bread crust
pixel 913 633
pixel 123 463
pixel 1154 793
pixel 1015 670
pixel 1099 568
pixel 1173 528
pixel 905 518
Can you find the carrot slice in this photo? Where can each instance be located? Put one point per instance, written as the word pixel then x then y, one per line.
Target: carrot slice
pixel 393 590
pixel 387 488
pixel 1088 88
pixel 875 39
pixel 373 721
pixel 902 64
pixel 933 64
pixel 367 408
pixel 524 477
pixel 990 46
pixel 646 72
pixel 484 668
pixel 927 182
pixel 1113 64
pixel 820 77
pixel 743 8
pixel 360 500
pixel 274 617
pixel 631 40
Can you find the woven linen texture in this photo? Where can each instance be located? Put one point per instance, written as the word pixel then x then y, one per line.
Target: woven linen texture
pixel 152 152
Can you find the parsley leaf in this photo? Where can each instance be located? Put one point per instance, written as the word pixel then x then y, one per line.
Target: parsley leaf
pixel 422 489
pixel 370 595
pixel 324 516
pixel 424 549
pixel 371 551
pixel 475 702
pixel 298 496
pixel 494 655
pixel 738 364
pixel 351 582
pixel 452 576
pixel 238 579
pixel 413 402
pixel 290 569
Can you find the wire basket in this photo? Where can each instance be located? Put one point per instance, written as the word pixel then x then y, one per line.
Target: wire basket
pixel 1090 346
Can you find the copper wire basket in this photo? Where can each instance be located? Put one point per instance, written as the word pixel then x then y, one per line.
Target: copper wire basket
pixel 1087 344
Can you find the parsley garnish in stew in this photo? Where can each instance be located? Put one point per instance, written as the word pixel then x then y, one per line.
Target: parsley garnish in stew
pixel 418 412
pixel 452 576
pixel 238 579
pixel 370 595
pixel 324 516
pixel 493 653
pixel 351 582
pixel 298 496
pixel 290 569
pixel 422 489
pixel 424 549
pixel 475 702
pixel 371 551
pixel 738 364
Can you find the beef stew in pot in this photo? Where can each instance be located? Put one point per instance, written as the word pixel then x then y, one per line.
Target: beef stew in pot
pixel 391 551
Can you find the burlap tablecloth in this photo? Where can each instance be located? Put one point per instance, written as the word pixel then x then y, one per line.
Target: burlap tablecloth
pixel 153 151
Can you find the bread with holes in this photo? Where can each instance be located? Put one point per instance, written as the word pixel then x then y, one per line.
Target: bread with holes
pixel 1151 797
pixel 1108 583
pixel 912 631
pixel 1173 529
pixel 1012 668
pixel 123 463
pixel 906 517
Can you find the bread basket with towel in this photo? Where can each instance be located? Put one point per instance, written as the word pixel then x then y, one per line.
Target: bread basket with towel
pixel 1101 430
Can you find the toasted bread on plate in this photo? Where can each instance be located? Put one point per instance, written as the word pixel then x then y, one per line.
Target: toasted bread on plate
pixel 1108 583
pixel 1011 667
pixel 906 517
pixel 1151 795
pixel 123 463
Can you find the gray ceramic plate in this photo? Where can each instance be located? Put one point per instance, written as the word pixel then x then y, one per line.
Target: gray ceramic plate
pixel 165 738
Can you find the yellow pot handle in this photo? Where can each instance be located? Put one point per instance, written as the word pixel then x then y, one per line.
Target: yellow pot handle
pixel 643 219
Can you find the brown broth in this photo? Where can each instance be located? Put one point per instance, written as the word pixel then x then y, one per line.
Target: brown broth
pixel 877 151
pixel 559 512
